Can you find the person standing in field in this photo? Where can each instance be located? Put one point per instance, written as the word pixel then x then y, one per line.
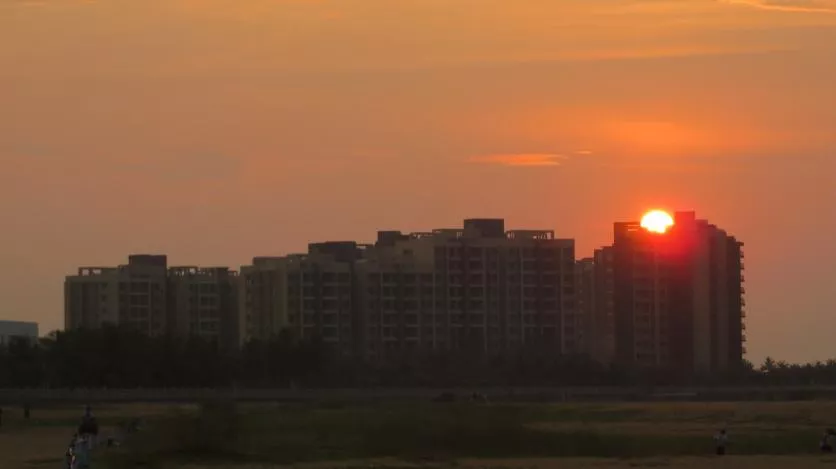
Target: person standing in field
pixel 69 455
pixel 721 440
pixel 825 444
pixel 89 427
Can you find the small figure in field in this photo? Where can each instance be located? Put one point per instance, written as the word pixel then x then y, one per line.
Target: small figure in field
pixel 89 427
pixel 825 444
pixel 479 397
pixel 27 410
pixel 81 452
pixel 721 439
pixel 69 456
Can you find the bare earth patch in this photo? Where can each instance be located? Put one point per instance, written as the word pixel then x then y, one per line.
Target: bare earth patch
pixel 33 447
pixel 728 462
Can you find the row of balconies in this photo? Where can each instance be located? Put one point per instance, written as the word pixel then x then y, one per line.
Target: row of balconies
pixel 459 292
pixel 480 279
pixel 461 319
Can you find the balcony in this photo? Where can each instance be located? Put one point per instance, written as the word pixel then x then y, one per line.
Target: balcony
pixel 743 313
pixel 742 326
pixel 743 337
pixel 743 349
pixel 742 301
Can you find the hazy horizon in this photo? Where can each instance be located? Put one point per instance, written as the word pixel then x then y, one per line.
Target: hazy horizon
pixel 214 131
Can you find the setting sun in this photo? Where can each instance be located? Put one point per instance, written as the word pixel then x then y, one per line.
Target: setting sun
pixel 656 221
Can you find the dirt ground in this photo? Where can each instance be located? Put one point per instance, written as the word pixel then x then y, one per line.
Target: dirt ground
pixel 727 462
pixel 41 442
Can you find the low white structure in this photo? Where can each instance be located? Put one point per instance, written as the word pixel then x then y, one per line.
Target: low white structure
pixel 12 329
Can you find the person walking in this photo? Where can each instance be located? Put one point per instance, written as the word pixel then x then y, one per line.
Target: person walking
pixel 721 440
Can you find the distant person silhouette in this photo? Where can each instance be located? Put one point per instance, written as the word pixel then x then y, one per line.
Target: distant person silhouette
pixel 27 410
pixel 89 427
pixel 825 444
pixel 69 456
pixel 721 440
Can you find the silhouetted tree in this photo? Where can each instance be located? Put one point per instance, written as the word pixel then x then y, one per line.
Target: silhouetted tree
pixel 119 357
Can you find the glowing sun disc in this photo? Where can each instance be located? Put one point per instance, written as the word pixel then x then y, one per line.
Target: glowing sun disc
pixel 657 221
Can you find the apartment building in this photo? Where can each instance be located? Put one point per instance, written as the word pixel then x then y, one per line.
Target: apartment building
pixel 596 304
pixel 678 296
pixel 203 301
pixel 308 294
pixel 133 294
pixel 476 288
pixel 147 295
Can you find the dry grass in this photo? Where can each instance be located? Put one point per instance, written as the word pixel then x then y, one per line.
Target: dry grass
pixel 33 447
pixel 695 418
pixel 40 443
pixel 728 462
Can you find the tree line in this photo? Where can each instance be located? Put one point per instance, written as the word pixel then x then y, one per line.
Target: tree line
pixel 116 357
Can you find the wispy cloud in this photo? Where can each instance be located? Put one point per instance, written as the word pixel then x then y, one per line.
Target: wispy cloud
pixel 795 6
pixel 520 159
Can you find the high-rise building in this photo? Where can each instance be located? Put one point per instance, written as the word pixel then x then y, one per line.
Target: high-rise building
pixel 678 296
pixel 133 294
pixel 309 294
pixel 477 287
pixel 596 304
pixel 203 301
pixel 147 295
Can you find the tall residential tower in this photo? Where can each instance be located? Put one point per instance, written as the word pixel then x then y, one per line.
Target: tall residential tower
pixel 678 301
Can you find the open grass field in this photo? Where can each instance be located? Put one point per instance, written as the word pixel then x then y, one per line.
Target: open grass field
pixel 41 441
pixel 435 435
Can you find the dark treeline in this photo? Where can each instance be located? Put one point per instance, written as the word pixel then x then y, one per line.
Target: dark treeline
pixel 121 358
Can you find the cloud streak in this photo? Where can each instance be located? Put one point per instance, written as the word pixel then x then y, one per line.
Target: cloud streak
pixel 520 159
pixel 791 6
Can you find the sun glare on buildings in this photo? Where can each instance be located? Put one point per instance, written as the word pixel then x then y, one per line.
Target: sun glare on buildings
pixel 657 221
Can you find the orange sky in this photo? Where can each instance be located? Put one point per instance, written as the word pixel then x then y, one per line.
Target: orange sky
pixel 215 130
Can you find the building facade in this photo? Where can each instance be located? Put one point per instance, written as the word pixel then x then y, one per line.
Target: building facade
pixel 11 330
pixel 478 288
pixel 596 304
pixel 310 295
pixel 203 302
pixel 148 296
pixel 671 300
pixel 133 294
pixel 677 295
